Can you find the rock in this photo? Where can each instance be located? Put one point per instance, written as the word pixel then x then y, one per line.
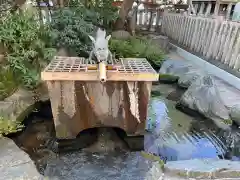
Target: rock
pixel 120 34
pixel 171 70
pixel 168 78
pixel 235 113
pixel 204 97
pixel 162 41
pixel 21 95
pixel 14 163
pixel 204 168
pixel 188 78
pixel 18 106
pixel 108 166
pixel 175 95
pixel 155 172
pixel 23 104
pixel 7 107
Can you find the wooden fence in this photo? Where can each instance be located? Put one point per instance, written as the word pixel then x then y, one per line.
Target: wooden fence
pixel 212 38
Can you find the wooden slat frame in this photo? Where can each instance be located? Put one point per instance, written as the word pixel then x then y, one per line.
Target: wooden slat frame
pixel 75 69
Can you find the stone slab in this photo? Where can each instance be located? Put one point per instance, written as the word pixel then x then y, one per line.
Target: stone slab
pixel 15 163
pixel 6 107
pixel 204 168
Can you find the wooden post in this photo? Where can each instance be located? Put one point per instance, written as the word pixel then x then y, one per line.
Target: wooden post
pixel 217 7
pixel 209 6
pixel 229 8
pixel 195 6
pixel 201 9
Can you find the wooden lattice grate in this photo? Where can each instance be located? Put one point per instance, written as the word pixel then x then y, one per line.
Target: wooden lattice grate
pixel 64 68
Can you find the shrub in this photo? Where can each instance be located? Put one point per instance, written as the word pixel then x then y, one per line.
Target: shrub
pixel 137 48
pixel 101 11
pixel 72 25
pixel 70 30
pixel 27 47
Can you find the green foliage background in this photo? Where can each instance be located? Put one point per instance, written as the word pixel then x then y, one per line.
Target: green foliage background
pixel 27 47
pixel 72 25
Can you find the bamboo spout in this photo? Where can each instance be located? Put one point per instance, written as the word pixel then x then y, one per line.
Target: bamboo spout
pixel 102 72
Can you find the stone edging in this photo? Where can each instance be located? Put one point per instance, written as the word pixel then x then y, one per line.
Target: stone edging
pixel 204 168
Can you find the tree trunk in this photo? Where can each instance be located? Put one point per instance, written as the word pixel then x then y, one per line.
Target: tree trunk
pixel 125 8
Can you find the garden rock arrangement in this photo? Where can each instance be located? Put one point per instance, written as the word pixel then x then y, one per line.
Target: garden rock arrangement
pixel 205 93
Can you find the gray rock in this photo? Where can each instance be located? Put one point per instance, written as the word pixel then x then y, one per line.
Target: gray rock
pixel 6 107
pixel 120 34
pixel 188 78
pixel 204 168
pixel 162 41
pixel 16 107
pixel 171 70
pixel 204 97
pixel 14 163
pixel 235 113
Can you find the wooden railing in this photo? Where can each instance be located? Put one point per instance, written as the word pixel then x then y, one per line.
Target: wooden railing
pixel 212 38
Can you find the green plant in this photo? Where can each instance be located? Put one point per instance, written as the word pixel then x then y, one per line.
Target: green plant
pixel 153 158
pixel 7 125
pixel 27 47
pixel 71 25
pixel 137 48
pixel 7 82
pixel 101 11
pixel 106 13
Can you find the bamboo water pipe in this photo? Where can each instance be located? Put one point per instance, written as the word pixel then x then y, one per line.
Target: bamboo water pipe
pixel 102 71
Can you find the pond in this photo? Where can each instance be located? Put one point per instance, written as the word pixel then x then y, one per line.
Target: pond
pixel 176 136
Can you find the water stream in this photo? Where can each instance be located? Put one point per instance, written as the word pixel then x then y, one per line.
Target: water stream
pixel 177 137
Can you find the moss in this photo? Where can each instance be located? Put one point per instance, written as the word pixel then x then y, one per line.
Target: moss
pixel 155 93
pixel 153 158
pixel 182 174
pixel 8 124
pixel 168 77
pixel 228 121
